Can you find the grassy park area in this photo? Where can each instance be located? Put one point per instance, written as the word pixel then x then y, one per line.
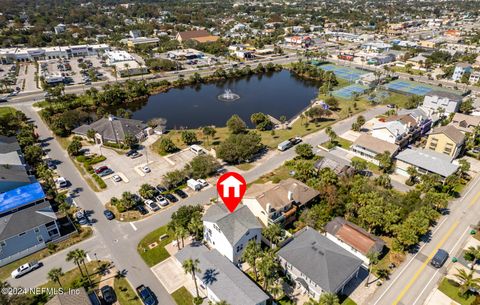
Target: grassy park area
pixel 157 254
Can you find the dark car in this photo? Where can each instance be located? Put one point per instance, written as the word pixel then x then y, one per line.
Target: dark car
pixel 439 259
pixel 100 169
pixel 51 165
pixel 146 295
pixel 108 294
pixel 130 152
pixel 142 209
pixel 108 214
pixel 171 198
pixel 137 199
pixel 161 189
pixel 180 193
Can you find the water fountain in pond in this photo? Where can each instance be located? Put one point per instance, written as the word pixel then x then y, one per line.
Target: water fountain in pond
pixel 228 96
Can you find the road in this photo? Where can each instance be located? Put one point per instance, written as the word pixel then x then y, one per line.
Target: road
pixel 413 282
pixel 119 239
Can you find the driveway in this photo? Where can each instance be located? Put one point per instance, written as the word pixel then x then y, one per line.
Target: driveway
pixel 170 274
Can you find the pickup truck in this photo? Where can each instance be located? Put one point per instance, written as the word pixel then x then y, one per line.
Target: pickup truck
pixel 146 295
pixel 25 268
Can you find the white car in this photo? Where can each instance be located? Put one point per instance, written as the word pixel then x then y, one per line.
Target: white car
pixel 152 205
pixel 61 182
pixel 161 200
pixel 116 178
pixel 202 182
pixel 24 269
pixel 146 169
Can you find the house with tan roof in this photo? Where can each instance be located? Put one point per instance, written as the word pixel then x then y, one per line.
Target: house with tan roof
pixel 368 147
pixel 464 122
pixel 446 140
pixel 353 238
pixel 278 203
pixel 198 35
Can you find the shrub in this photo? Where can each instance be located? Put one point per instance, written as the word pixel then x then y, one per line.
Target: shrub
pixel 99 181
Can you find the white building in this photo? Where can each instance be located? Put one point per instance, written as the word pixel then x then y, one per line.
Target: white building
pixel 228 232
pixel 390 132
pixel 11 55
pixel 436 100
pixel 60 28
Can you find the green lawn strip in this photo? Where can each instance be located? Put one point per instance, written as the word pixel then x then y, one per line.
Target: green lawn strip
pixel 6 270
pixel 157 254
pixel 71 278
pixel 349 301
pixel 370 166
pixel 125 293
pixel 341 142
pixel 450 288
pixel 182 296
pixel 6 110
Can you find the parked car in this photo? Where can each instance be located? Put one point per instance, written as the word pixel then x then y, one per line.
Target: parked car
pixel 141 208
pixel 137 199
pixel 161 189
pixel 180 193
pixel 202 182
pixel 146 295
pixel 25 268
pixel 476 150
pixel 108 294
pixel 109 214
pixel 106 172
pixel 100 169
pixel 135 155
pixel 146 169
pixel 171 198
pixel 61 182
pixel 116 178
pixel 161 200
pixel 130 152
pixel 152 205
pixel 50 164
pixel 82 218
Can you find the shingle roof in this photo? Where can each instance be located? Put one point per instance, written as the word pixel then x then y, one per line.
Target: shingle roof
pixel 113 128
pixel 8 144
pixel 26 219
pixel 354 236
pixel 465 122
pixel 233 225
pixel 451 132
pixel 320 259
pixel 430 160
pixel 13 173
pixel 71 299
pixel 225 280
pixel 444 94
pixel 376 145
pixel 277 194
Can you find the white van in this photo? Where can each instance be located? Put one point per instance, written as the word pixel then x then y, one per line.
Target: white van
pixel 194 184
pixel 197 149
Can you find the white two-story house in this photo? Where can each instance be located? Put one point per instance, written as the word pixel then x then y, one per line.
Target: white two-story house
pixel 228 232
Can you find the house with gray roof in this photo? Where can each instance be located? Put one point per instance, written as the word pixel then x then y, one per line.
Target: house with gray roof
pixel 113 129
pixel 437 100
pixel 317 264
pixel 79 298
pixel 425 161
pixel 13 169
pixel 220 279
pixel 27 222
pixel 228 232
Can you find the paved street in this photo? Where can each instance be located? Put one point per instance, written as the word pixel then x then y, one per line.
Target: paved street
pixel 121 239
pixel 416 278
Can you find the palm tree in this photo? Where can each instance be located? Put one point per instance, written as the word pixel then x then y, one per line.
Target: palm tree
pixel 181 233
pixel 473 255
pixel 55 274
pixel 83 255
pixel 268 268
pixel 252 252
pixel 328 299
pixel 467 281
pixel 195 226
pixel 127 66
pixel 73 256
pixel 191 266
pixel 373 259
pixel 273 233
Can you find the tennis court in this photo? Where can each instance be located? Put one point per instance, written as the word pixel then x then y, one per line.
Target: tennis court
pixel 409 87
pixel 347 73
pixel 348 91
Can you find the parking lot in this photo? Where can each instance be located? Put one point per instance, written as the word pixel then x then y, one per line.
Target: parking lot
pixel 130 170
pixel 8 72
pixel 26 77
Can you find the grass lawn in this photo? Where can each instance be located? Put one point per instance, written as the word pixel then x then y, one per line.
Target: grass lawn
pixel 405 70
pixel 343 143
pixel 157 254
pixel 125 293
pixel 131 215
pixel 400 100
pixel 349 301
pixel 6 110
pixel 450 288
pixel 182 296
pixel 370 166
pixel 70 278
pixel 6 270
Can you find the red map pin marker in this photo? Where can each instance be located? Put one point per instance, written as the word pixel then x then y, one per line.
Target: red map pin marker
pixel 231 187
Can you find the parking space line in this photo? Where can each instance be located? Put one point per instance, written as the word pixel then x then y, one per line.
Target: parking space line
pixel 133 226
